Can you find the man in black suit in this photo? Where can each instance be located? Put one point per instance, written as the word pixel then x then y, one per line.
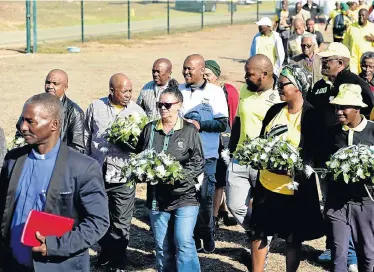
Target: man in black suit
pixel 48 176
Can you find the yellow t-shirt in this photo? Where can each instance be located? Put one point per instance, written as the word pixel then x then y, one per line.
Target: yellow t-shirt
pixel 275 182
pixel 117 108
pixel 266 46
pixel 357 45
pixel 334 13
pixel 252 110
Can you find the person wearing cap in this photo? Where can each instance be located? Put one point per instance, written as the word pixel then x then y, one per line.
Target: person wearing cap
pixel 212 74
pixel 335 66
pixel 268 43
pixel 279 211
pixel 349 207
pixel 359 39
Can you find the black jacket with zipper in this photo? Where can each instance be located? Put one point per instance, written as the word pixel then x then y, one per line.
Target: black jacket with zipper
pixel 185 146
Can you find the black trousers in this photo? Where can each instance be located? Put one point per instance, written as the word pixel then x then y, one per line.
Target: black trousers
pixel 121 198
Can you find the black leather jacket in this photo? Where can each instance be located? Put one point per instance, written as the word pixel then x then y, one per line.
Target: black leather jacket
pixel 72 127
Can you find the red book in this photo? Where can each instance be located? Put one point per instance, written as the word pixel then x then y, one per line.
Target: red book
pixel 47 224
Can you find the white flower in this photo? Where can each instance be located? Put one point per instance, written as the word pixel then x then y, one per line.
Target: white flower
pixel 334 164
pixel 226 156
pixel 343 156
pixel 137 117
pixel 167 161
pixel 142 162
pixel 293 157
pixel 20 140
pixel 161 170
pixel 308 171
pixel 263 156
pixel 355 160
pixel 104 149
pixel 255 158
pixel 284 156
pixel 139 172
pixel 150 176
pixel 345 168
pixel 267 149
pixel 136 131
pixel 293 185
pixel 360 173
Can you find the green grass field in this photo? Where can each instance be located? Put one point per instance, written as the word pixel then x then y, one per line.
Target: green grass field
pixel 52 14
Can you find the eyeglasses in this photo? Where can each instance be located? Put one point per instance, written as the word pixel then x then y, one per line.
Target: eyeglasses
pixel 306 45
pixel 166 105
pixel 281 85
pixel 327 60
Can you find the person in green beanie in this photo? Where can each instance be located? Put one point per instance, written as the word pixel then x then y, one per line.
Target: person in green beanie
pixel 212 74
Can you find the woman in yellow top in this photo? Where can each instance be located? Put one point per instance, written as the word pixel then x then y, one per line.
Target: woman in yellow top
pixel 277 210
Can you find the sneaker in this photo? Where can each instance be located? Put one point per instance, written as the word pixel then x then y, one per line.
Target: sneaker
pixel 352 268
pixel 325 257
pixel 209 244
pixel 198 245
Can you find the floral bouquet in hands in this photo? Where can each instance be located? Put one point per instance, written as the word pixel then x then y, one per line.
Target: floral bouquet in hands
pixel 126 131
pixel 353 163
pixel 152 167
pixel 17 142
pixel 271 154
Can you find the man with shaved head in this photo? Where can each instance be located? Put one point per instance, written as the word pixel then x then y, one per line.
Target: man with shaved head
pixel 57 83
pixel 205 106
pixel 149 94
pixel 99 117
pixel 256 97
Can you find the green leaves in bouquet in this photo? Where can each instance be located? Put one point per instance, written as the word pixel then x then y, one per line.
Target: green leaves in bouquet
pixel 152 167
pixel 16 142
pixel 127 130
pixel 352 164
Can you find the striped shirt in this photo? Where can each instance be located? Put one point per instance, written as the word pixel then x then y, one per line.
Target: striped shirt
pixel 148 97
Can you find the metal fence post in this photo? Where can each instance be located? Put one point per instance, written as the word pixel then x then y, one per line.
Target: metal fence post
pixel 232 12
pixel 128 20
pixel 82 21
pixel 28 30
pixel 34 25
pixel 202 13
pixel 168 16
pixel 258 10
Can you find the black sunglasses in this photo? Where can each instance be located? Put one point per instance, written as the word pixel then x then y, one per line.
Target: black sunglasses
pixel 306 45
pixel 281 85
pixel 166 105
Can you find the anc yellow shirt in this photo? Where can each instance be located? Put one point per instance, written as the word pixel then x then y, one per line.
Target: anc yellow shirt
pixel 252 110
pixel 357 45
pixel 275 182
pixel 266 46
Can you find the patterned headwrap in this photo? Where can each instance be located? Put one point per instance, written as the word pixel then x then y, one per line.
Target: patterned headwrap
pixel 298 76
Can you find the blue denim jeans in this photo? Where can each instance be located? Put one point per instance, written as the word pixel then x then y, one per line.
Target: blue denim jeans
pixel 174 243
pixel 205 224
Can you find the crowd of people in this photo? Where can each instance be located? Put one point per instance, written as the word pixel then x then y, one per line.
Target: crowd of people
pixel 318 96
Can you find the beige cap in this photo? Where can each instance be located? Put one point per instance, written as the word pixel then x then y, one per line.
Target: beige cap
pixel 349 95
pixel 335 49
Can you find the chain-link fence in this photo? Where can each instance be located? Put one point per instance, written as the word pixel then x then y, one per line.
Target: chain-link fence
pixel 72 20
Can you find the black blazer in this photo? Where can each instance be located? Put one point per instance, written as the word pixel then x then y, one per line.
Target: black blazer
pixel 76 190
pixel 310 221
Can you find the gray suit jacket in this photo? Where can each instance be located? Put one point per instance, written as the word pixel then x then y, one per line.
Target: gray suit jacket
pixel 76 190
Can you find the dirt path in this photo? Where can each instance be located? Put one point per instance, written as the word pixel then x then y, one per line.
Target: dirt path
pixel 23 75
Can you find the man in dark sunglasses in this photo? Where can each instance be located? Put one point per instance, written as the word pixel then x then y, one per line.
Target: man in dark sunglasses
pixel 308 59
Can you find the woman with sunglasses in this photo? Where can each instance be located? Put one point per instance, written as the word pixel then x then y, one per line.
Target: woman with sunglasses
pixel 293 215
pixel 173 209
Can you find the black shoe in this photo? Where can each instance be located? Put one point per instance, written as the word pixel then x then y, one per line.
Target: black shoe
pixel 209 244
pixel 227 221
pixel 103 260
pixel 215 223
pixel 198 244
